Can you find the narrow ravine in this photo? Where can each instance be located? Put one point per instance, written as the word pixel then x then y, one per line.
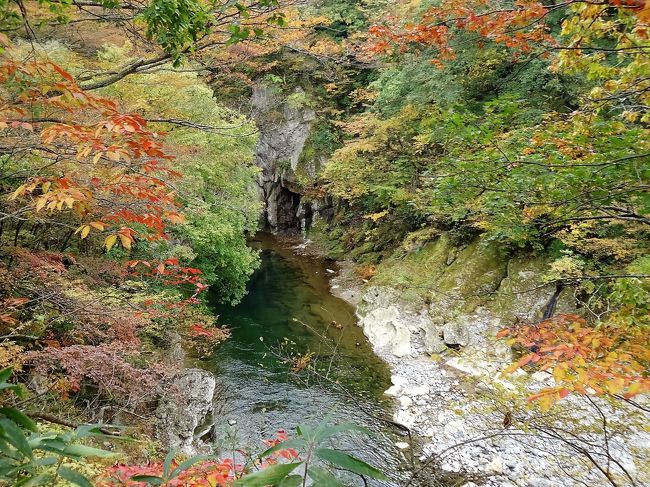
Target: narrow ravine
pixel 289 312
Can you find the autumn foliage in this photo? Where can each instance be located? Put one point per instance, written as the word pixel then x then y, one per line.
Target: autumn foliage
pixel 208 474
pixel 583 359
pixel 521 26
pixel 96 179
pixel 205 473
pixel 106 170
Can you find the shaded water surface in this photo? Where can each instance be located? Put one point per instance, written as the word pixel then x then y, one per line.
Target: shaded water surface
pixel 287 313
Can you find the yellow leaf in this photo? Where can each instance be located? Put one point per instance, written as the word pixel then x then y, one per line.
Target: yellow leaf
pixel 615 386
pixel 582 375
pixel 97 157
pixel 633 390
pixel 510 368
pixel 97 225
pixel 85 231
pixel 46 186
pixel 126 241
pixel 376 216
pixel 110 241
pixel 176 218
pixel 20 190
pixel 559 374
pixel 546 402
pixel 40 203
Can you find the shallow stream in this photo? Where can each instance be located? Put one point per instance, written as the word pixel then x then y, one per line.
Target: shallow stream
pixel 288 313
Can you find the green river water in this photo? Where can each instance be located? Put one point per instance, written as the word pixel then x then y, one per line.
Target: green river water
pixel 289 311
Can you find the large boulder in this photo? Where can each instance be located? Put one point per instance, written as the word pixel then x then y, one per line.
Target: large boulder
pixel 475 272
pixel 386 330
pixel 187 406
pixel 432 342
pixel 455 333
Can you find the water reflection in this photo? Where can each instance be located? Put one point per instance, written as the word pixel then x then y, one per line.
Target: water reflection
pixel 287 313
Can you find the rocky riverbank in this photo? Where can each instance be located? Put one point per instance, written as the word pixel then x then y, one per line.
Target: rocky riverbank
pixel 446 379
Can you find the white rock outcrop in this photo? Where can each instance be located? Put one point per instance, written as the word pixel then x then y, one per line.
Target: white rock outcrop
pixel 190 404
pixel 457 399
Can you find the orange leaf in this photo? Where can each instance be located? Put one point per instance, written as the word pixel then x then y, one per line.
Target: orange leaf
pixel 503 333
pixel 62 72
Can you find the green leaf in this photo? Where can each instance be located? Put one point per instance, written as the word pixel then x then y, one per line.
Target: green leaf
pixel 15 437
pixel 7 451
pixel 6 385
pixel 188 463
pixel 349 462
pixel 5 374
pixel 269 476
pixel 12 470
pixel 45 461
pixel 291 481
pixel 86 451
pixel 169 458
pixel 150 479
pixel 48 443
pixel 322 478
pixel 305 431
pixel 42 479
pixel 86 430
pixel 74 477
pixel 95 430
pixel 19 418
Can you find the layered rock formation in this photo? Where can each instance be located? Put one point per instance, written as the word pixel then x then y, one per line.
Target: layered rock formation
pixel 187 407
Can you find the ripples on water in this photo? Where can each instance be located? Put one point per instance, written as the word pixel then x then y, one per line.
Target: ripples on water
pixel 289 310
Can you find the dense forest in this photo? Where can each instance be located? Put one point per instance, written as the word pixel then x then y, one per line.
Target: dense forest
pixel 481 166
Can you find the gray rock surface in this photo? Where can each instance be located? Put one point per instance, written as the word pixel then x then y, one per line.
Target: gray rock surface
pixel 284 129
pixel 432 342
pixel 456 400
pixel 185 408
pixel 456 333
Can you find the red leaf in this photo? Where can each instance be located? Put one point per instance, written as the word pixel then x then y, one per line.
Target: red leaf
pixel 62 72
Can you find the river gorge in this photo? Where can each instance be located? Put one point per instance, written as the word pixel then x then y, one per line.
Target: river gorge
pixel 289 313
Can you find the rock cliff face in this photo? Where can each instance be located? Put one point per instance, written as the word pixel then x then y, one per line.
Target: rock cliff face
pixel 467 295
pixel 187 407
pixel 285 122
pixel 432 316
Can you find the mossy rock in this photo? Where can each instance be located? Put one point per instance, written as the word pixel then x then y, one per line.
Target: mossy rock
pixel 417 271
pixel 365 253
pixel 474 273
pixel 522 294
pixel 328 239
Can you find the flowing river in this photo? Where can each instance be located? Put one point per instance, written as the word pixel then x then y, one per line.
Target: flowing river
pixel 289 314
